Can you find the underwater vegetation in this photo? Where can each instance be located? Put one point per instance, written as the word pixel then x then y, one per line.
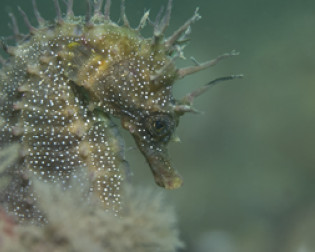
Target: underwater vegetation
pixel 61 87
pixel 78 224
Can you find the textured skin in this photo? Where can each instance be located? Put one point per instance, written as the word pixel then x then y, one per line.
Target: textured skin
pixel 61 86
pixel 44 111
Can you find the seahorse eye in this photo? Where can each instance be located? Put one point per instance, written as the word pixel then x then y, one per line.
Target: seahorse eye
pixel 160 125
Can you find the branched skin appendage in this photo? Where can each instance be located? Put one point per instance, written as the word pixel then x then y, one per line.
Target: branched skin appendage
pixel 62 85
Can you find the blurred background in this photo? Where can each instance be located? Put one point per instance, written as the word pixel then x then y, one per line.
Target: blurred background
pixel 248 159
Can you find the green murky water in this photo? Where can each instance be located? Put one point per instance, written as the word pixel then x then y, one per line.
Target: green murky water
pixel 248 159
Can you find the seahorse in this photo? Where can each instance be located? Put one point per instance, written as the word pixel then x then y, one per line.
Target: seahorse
pixel 64 82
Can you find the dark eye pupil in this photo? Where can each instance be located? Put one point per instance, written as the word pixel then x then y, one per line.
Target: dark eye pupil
pixel 159 125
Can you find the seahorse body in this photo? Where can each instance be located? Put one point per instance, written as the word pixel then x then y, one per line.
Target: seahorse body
pixel 59 90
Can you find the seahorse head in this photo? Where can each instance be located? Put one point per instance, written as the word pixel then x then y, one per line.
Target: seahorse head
pixel 151 119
